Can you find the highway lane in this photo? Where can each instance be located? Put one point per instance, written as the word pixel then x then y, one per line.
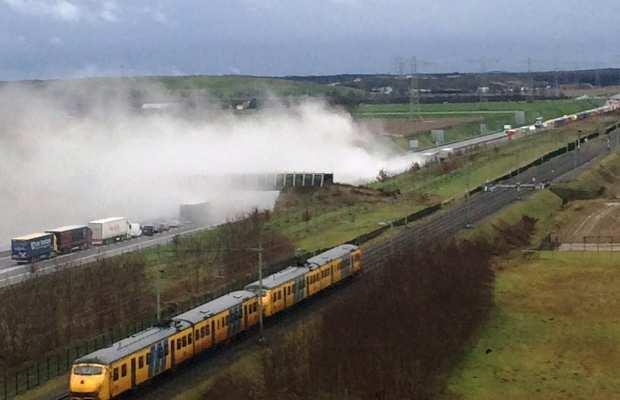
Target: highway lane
pixel 492 138
pixel 11 272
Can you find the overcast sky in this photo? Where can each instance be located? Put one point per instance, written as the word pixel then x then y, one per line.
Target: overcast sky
pixel 71 38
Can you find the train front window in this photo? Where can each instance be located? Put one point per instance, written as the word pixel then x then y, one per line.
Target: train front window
pixel 86 370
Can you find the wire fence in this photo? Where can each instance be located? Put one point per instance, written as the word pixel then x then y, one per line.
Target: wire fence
pixel 446 223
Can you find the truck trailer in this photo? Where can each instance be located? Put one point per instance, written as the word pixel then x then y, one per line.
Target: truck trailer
pixel 33 247
pixel 109 230
pixel 71 238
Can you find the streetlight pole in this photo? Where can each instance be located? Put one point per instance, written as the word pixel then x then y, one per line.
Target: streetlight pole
pixel 577 148
pixel 158 286
pixel 158 296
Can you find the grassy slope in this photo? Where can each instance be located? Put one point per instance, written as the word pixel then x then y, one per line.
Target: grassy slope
pixel 542 206
pixel 553 334
pixel 554 330
pixel 236 86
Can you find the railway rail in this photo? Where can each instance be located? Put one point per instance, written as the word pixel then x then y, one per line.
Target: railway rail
pixel 426 231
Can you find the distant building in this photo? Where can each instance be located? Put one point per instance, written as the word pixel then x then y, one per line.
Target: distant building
pixel 160 107
pixel 384 90
pixel 246 104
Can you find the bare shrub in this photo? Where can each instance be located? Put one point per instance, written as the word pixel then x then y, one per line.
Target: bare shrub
pixel 394 334
pixel 56 310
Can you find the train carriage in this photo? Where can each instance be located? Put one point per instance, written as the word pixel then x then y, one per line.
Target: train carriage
pixel 111 371
pixel 334 265
pixel 108 372
pixel 281 290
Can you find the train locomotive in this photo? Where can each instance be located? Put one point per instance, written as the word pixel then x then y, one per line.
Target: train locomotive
pixel 128 363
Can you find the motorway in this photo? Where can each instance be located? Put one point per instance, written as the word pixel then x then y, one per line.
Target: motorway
pixel 492 138
pixel 11 272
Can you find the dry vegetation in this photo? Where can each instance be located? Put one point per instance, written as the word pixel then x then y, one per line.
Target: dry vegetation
pixel 54 311
pixel 394 335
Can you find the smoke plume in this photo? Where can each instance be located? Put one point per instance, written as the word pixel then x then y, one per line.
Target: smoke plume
pixel 72 153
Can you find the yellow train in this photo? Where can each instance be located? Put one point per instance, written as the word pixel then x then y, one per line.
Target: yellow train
pixel 108 372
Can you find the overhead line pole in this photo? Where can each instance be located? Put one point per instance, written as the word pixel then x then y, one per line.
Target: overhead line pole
pixel 261 338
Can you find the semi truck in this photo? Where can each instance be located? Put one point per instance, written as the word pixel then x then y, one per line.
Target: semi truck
pixel 33 247
pixel 109 230
pixel 135 230
pixel 71 238
pixel 540 123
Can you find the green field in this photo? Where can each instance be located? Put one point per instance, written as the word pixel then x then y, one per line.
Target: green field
pixel 553 333
pixel 494 114
pixel 226 87
pixel 544 108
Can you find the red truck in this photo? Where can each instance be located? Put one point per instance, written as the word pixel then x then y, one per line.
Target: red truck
pixel 71 238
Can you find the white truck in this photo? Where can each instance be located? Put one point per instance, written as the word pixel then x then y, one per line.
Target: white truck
pixel 135 230
pixel 109 230
pixel 540 123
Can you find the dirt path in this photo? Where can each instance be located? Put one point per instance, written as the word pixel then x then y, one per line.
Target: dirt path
pixel 601 218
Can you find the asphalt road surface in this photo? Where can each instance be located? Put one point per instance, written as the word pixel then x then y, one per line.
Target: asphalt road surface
pixel 11 272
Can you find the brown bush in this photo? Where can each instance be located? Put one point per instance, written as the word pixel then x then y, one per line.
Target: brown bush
pixel 392 337
pixel 54 311
pixel 512 236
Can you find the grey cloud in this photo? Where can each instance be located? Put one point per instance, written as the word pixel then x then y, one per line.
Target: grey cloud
pixel 280 37
pixel 60 9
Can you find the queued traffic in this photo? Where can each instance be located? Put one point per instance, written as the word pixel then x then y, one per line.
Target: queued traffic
pixel 67 239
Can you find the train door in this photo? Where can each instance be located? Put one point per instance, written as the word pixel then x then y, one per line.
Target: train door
pixel 213 332
pixel 300 293
pixel 345 264
pixel 172 351
pixel 245 316
pixel 234 320
pixel 133 372
pixel 157 361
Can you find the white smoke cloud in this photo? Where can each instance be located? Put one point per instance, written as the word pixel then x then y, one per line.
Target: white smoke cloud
pixel 60 9
pixel 63 167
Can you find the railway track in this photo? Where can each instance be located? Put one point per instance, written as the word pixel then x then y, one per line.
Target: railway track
pixel 433 228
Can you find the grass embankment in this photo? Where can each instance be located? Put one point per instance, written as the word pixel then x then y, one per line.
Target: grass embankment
pixel 553 331
pixel 494 114
pixel 337 215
